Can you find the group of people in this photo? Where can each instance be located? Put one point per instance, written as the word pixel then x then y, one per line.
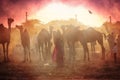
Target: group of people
pixel 114 45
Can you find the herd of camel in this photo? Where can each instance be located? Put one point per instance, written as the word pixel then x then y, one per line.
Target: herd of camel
pixel 70 35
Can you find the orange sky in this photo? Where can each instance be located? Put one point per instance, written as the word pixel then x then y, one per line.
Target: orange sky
pixel 17 8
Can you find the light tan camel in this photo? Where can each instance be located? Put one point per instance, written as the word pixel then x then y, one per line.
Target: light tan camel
pixel 25 41
pixel 5 38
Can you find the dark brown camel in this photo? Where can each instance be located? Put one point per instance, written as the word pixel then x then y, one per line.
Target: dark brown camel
pixel 44 44
pixel 73 34
pixel 25 41
pixel 5 38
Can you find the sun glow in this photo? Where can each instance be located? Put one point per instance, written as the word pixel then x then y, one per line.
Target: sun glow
pixel 59 11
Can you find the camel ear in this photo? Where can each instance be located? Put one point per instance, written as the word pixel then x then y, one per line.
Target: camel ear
pixel 1 25
pixel 16 26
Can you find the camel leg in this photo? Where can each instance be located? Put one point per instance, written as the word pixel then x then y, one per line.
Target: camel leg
pixel 39 52
pixel 46 53
pixel 24 55
pixel 42 52
pixel 103 52
pixel 70 52
pixel 103 49
pixel 29 55
pixel 84 54
pixel 92 49
pixel 4 52
pixel 73 53
pixel 7 51
pixel 49 51
pixel 86 51
pixel 70 56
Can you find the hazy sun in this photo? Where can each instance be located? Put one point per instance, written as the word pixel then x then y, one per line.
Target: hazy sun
pixel 59 11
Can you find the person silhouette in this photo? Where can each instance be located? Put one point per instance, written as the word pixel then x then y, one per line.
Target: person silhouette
pixel 58 52
pixel 114 52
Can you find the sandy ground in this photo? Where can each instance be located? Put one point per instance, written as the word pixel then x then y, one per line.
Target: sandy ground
pixel 82 70
pixel 95 69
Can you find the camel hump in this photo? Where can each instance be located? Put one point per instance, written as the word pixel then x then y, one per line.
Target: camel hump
pixel 43 30
pixel 91 29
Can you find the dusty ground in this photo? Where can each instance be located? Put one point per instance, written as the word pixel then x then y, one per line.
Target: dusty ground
pixel 92 70
pixel 95 69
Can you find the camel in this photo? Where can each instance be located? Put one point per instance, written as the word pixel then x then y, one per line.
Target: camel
pixel 91 35
pixel 25 41
pixel 73 34
pixel 44 44
pixel 5 38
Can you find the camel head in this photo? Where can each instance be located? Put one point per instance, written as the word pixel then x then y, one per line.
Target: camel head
pixel 1 25
pixel 20 27
pixel 10 20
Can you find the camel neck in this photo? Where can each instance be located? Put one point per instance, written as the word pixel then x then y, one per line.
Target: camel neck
pixel 9 26
pixel 50 33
